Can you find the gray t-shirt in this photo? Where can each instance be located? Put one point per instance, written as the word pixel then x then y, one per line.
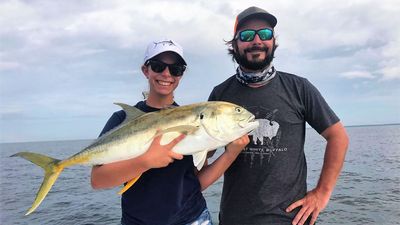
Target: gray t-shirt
pixel 271 172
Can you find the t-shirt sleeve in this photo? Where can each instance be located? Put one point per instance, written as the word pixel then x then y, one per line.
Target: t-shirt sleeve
pixel 116 119
pixel 317 111
pixel 212 96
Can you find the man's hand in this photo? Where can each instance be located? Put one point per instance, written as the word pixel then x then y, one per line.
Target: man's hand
pixel 235 147
pixel 312 204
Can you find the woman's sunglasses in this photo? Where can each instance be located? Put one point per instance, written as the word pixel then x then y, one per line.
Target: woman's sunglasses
pixel 249 34
pixel 175 70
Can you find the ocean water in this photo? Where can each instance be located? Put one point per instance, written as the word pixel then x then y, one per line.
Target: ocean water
pixel 367 192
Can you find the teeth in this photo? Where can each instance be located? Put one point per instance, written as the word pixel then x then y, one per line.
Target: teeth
pixel 164 83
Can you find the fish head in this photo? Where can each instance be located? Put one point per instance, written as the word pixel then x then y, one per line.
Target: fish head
pixel 226 122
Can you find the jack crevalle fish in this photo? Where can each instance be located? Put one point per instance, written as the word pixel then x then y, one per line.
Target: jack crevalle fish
pixel 207 126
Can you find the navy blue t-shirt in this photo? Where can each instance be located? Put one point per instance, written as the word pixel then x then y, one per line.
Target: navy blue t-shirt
pixel 162 196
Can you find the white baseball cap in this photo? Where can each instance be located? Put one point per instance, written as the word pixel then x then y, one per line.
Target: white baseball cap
pixel 155 48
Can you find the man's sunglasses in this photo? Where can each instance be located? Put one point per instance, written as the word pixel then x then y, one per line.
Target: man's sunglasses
pixel 175 70
pixel 249 34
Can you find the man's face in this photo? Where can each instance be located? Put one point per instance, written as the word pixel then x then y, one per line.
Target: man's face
pixel 256 54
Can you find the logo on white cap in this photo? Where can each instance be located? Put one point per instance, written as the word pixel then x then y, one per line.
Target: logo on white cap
pixel 165 45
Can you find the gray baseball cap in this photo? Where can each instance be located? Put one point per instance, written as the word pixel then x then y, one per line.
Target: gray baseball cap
pixel 254 12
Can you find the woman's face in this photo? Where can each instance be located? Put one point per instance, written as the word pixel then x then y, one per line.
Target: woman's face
pixel 162 83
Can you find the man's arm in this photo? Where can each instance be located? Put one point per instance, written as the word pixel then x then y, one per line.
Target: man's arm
pixel 317 199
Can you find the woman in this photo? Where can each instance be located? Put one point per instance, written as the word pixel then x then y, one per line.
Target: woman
pixel 169 189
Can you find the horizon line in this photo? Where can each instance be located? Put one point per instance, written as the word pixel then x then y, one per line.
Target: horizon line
pixel 87 139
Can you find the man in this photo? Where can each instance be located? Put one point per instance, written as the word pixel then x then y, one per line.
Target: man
pixel 267 182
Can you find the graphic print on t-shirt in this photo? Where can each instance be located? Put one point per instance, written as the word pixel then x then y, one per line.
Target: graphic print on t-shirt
pixel 264 141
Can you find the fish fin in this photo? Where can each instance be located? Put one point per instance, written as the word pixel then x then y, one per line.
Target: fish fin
pixel 52 171
pixel 129 184
pixel 184 129
pixel 130 111
pixel 199 159
pixel 169 106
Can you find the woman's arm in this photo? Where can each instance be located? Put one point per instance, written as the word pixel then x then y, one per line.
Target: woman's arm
pixel 116 173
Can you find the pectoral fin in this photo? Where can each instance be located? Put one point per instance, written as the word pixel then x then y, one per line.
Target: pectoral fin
pixel 184 129
pixel 199 158
pixel 129 184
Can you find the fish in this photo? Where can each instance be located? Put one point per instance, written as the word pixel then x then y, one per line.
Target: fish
pixel 207 126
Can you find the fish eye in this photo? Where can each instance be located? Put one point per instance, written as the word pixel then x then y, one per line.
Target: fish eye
pixel 201 116
pixel 237 109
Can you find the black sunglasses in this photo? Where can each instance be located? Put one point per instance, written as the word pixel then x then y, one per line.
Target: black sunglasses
pixel 249 34
pixel 175 70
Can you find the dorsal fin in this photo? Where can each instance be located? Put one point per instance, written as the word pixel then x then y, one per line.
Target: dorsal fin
pixel 130 111
pixel 169 106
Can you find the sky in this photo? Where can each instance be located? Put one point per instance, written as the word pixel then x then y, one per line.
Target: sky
pixel 64 63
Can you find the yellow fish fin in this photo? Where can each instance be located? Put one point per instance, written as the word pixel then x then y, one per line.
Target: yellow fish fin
pixel 129 184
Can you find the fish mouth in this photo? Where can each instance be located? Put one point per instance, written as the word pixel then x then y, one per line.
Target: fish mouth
pixel 252 118
pixel 249 122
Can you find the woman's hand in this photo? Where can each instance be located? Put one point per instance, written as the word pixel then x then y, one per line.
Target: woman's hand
pixel 158 155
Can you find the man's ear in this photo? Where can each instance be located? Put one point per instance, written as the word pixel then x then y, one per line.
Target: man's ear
pixel 234 46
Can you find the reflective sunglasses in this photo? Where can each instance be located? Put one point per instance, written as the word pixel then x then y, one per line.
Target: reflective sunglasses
pixel 175 70
pixel 249 34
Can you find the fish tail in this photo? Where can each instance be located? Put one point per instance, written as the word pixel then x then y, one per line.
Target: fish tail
pixel 52 170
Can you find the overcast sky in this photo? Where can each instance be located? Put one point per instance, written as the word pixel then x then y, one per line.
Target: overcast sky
pixel 63 63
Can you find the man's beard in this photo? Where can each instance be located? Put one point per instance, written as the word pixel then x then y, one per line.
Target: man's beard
pixel 254 65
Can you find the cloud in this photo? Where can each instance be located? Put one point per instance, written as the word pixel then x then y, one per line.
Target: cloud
pixel 390 73
pixel 72 59
pixel 11 111
pixel 357 74
pixel 9 65
pixel 390 68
